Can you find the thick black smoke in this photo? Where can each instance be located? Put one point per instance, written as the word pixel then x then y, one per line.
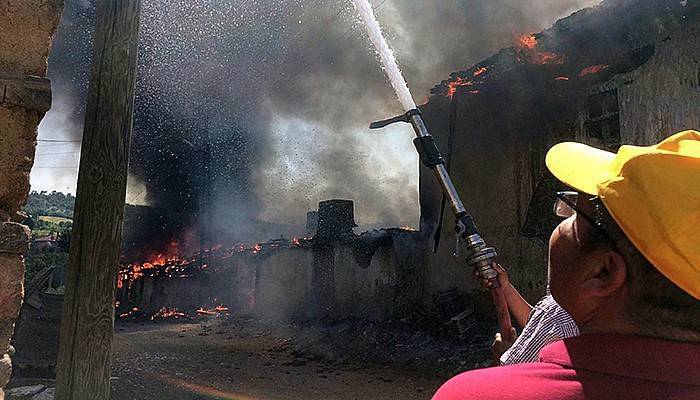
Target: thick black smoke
pixel 255 109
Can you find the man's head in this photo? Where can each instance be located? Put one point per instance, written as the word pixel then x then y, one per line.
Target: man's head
pixel 598 274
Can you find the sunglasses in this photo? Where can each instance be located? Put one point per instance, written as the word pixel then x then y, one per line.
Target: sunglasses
pixel 565 206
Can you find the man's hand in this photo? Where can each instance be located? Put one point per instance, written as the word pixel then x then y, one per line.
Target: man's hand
pixel 503 279
pixel 501 344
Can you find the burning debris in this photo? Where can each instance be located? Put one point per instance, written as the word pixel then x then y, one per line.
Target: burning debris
pixel 218 260
pixel 183 267
pixel 216 311
pixel 593 69
pixel 165 312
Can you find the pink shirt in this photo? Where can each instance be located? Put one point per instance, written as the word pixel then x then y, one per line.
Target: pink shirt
pixel 589 367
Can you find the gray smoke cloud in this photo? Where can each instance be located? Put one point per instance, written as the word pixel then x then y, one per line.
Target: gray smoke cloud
pixel 279 94
pixel 338 87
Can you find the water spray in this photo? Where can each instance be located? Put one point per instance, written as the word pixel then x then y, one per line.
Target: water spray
pixel 478 255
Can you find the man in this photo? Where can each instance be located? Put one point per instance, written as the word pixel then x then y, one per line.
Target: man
pixel 626 266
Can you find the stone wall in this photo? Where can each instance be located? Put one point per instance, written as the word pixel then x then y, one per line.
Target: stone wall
pixel 662 97
pixel 27 28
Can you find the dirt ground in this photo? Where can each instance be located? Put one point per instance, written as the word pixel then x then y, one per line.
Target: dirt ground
pixel 242 359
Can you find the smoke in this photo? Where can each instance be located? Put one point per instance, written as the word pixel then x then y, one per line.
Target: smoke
pixel 322 147
pixel 258 109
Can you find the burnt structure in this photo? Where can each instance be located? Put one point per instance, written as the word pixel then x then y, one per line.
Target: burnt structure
pixel 623 72
pixel 374 275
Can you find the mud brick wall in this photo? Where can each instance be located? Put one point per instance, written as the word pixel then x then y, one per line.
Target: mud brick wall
pixel 27 28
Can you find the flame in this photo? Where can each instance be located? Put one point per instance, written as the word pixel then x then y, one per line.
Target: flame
pixel 296 241
pixel 165 312
pixel 526 49
pixel 480 71
pixel 593 69
pixel 561 78
pixel 130 313
pixel 452 86
pixel 220 309
pixel 547 57
pixel 256 249
pixel 526 41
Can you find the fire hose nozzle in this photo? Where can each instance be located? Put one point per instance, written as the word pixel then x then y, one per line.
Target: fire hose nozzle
pixel 406 117
pixel 479 256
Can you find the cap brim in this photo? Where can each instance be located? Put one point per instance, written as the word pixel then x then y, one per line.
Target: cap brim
pixel 580 166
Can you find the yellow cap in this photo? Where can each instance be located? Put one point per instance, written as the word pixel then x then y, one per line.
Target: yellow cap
pixel 652 192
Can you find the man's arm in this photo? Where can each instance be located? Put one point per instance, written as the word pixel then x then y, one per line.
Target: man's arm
pixel 518 306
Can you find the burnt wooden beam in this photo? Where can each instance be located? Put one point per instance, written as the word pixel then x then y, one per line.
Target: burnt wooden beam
pixel 83 369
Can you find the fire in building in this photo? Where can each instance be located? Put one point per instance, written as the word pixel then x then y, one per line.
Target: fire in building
pixel 209 304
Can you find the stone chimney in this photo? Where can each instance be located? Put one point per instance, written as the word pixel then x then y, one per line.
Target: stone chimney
pixel 336 219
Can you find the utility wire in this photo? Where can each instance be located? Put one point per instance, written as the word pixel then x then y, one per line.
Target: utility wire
pixel 63 152
pixel 56 167
pixel 57 141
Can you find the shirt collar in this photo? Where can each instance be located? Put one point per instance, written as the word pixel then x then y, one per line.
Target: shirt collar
pixel 631 356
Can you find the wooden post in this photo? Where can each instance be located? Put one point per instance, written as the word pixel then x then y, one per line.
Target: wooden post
pixel 84 359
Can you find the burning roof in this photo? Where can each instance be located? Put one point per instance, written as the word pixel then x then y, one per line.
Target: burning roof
pixel 593 43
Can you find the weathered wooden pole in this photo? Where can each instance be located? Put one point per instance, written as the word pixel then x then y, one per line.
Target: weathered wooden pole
pixel 84 358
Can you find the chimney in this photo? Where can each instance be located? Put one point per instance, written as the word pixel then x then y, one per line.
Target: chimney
pixel 336 219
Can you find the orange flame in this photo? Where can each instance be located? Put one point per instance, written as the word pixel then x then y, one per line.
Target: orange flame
pixel 526 48
pixel 526 41
pixel 562 78
pixel 165 312
pixel 593 69
pixel 220 309
pixel 480 71
pixel 452 86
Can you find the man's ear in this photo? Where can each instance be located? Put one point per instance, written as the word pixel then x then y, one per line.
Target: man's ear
pixel 606 275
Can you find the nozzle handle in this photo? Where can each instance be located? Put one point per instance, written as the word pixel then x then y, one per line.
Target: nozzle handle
pixel 385 122
pixel 399 118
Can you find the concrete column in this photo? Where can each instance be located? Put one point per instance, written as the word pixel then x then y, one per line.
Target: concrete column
pixel 25 95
